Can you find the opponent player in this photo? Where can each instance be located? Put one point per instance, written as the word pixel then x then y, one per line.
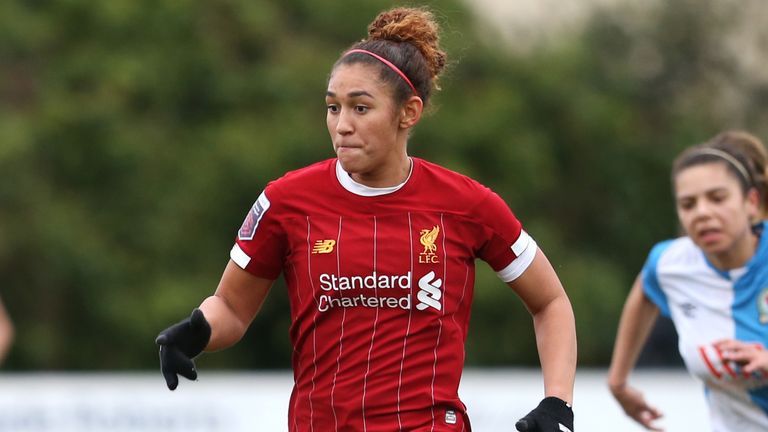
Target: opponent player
pixel 713 283
pixel 6 332
pixel 378 251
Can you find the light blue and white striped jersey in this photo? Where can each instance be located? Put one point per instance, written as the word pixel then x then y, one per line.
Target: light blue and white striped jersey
pixel 706 305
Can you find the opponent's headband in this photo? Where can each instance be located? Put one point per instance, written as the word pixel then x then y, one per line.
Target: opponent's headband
pixel 728 158
pixel 386 62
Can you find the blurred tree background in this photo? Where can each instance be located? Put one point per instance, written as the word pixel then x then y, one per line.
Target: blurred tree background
pixel 135 135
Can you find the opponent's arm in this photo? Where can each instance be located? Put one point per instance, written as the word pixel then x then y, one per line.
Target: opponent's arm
pixel 637 320
pixel 6 332
pixel 553 320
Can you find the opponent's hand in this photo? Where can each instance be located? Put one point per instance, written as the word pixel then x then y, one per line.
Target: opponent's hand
pixel 552 415
pixel 634 405
pixel 179 344
pixel 752 356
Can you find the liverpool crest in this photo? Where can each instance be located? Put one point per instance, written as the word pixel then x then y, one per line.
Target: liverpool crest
pixel 428 239
pixel 762 306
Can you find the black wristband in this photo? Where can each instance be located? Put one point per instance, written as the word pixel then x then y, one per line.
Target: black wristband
pixel 556 405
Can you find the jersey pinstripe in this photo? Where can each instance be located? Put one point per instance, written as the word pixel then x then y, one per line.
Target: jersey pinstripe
pixel 380 285
pixel 707 305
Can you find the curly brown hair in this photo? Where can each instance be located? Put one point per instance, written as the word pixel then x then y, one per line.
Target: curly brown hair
pixel 409 39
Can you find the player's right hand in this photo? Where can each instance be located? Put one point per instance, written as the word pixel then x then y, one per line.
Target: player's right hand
pixel 634 405
pixel 180 344
pixel 551 415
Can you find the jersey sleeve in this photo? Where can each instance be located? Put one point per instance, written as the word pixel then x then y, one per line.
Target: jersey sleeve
pixel 260 246
pixel 650 280
pixel 508 249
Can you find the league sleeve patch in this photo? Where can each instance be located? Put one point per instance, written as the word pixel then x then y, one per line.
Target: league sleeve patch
pixel 248 229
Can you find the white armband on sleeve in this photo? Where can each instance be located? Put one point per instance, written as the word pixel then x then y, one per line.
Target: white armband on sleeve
pixel 525 249
pixel 239 256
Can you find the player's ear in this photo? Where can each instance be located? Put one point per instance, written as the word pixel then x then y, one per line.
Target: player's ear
pixel 753 205
pixel 410 112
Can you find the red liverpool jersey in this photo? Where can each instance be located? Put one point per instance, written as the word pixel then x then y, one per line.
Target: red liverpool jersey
pixel 380 284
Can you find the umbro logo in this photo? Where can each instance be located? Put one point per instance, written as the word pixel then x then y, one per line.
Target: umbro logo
pixel 689 309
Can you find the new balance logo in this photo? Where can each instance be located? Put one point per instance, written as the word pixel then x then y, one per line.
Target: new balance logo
pixel 429 292
pixel 323 246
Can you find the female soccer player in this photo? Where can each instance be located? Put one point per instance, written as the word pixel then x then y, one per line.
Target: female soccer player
pixel 713 283
pixel 378 249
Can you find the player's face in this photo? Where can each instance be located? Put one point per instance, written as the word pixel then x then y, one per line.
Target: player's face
pixel 714 211
pixel 363 122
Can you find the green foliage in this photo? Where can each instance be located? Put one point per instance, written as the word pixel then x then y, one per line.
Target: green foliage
pixel 134 135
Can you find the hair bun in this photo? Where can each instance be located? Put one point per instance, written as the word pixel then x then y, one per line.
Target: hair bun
pixel 411 25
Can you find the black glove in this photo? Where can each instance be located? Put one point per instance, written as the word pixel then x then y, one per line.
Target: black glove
pixel 179 344
pixel 552 415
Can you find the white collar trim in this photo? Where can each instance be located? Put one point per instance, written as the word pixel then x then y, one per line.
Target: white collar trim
pixel 360 189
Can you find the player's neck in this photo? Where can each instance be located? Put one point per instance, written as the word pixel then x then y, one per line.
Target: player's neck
pixel 737 256
pixel 390 176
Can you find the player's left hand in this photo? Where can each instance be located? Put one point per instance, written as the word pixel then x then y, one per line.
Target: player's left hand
pixel 552 415
pixel 180 344
pixel 752 356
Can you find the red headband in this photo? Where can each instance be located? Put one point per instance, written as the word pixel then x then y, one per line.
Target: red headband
pixel 386 62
